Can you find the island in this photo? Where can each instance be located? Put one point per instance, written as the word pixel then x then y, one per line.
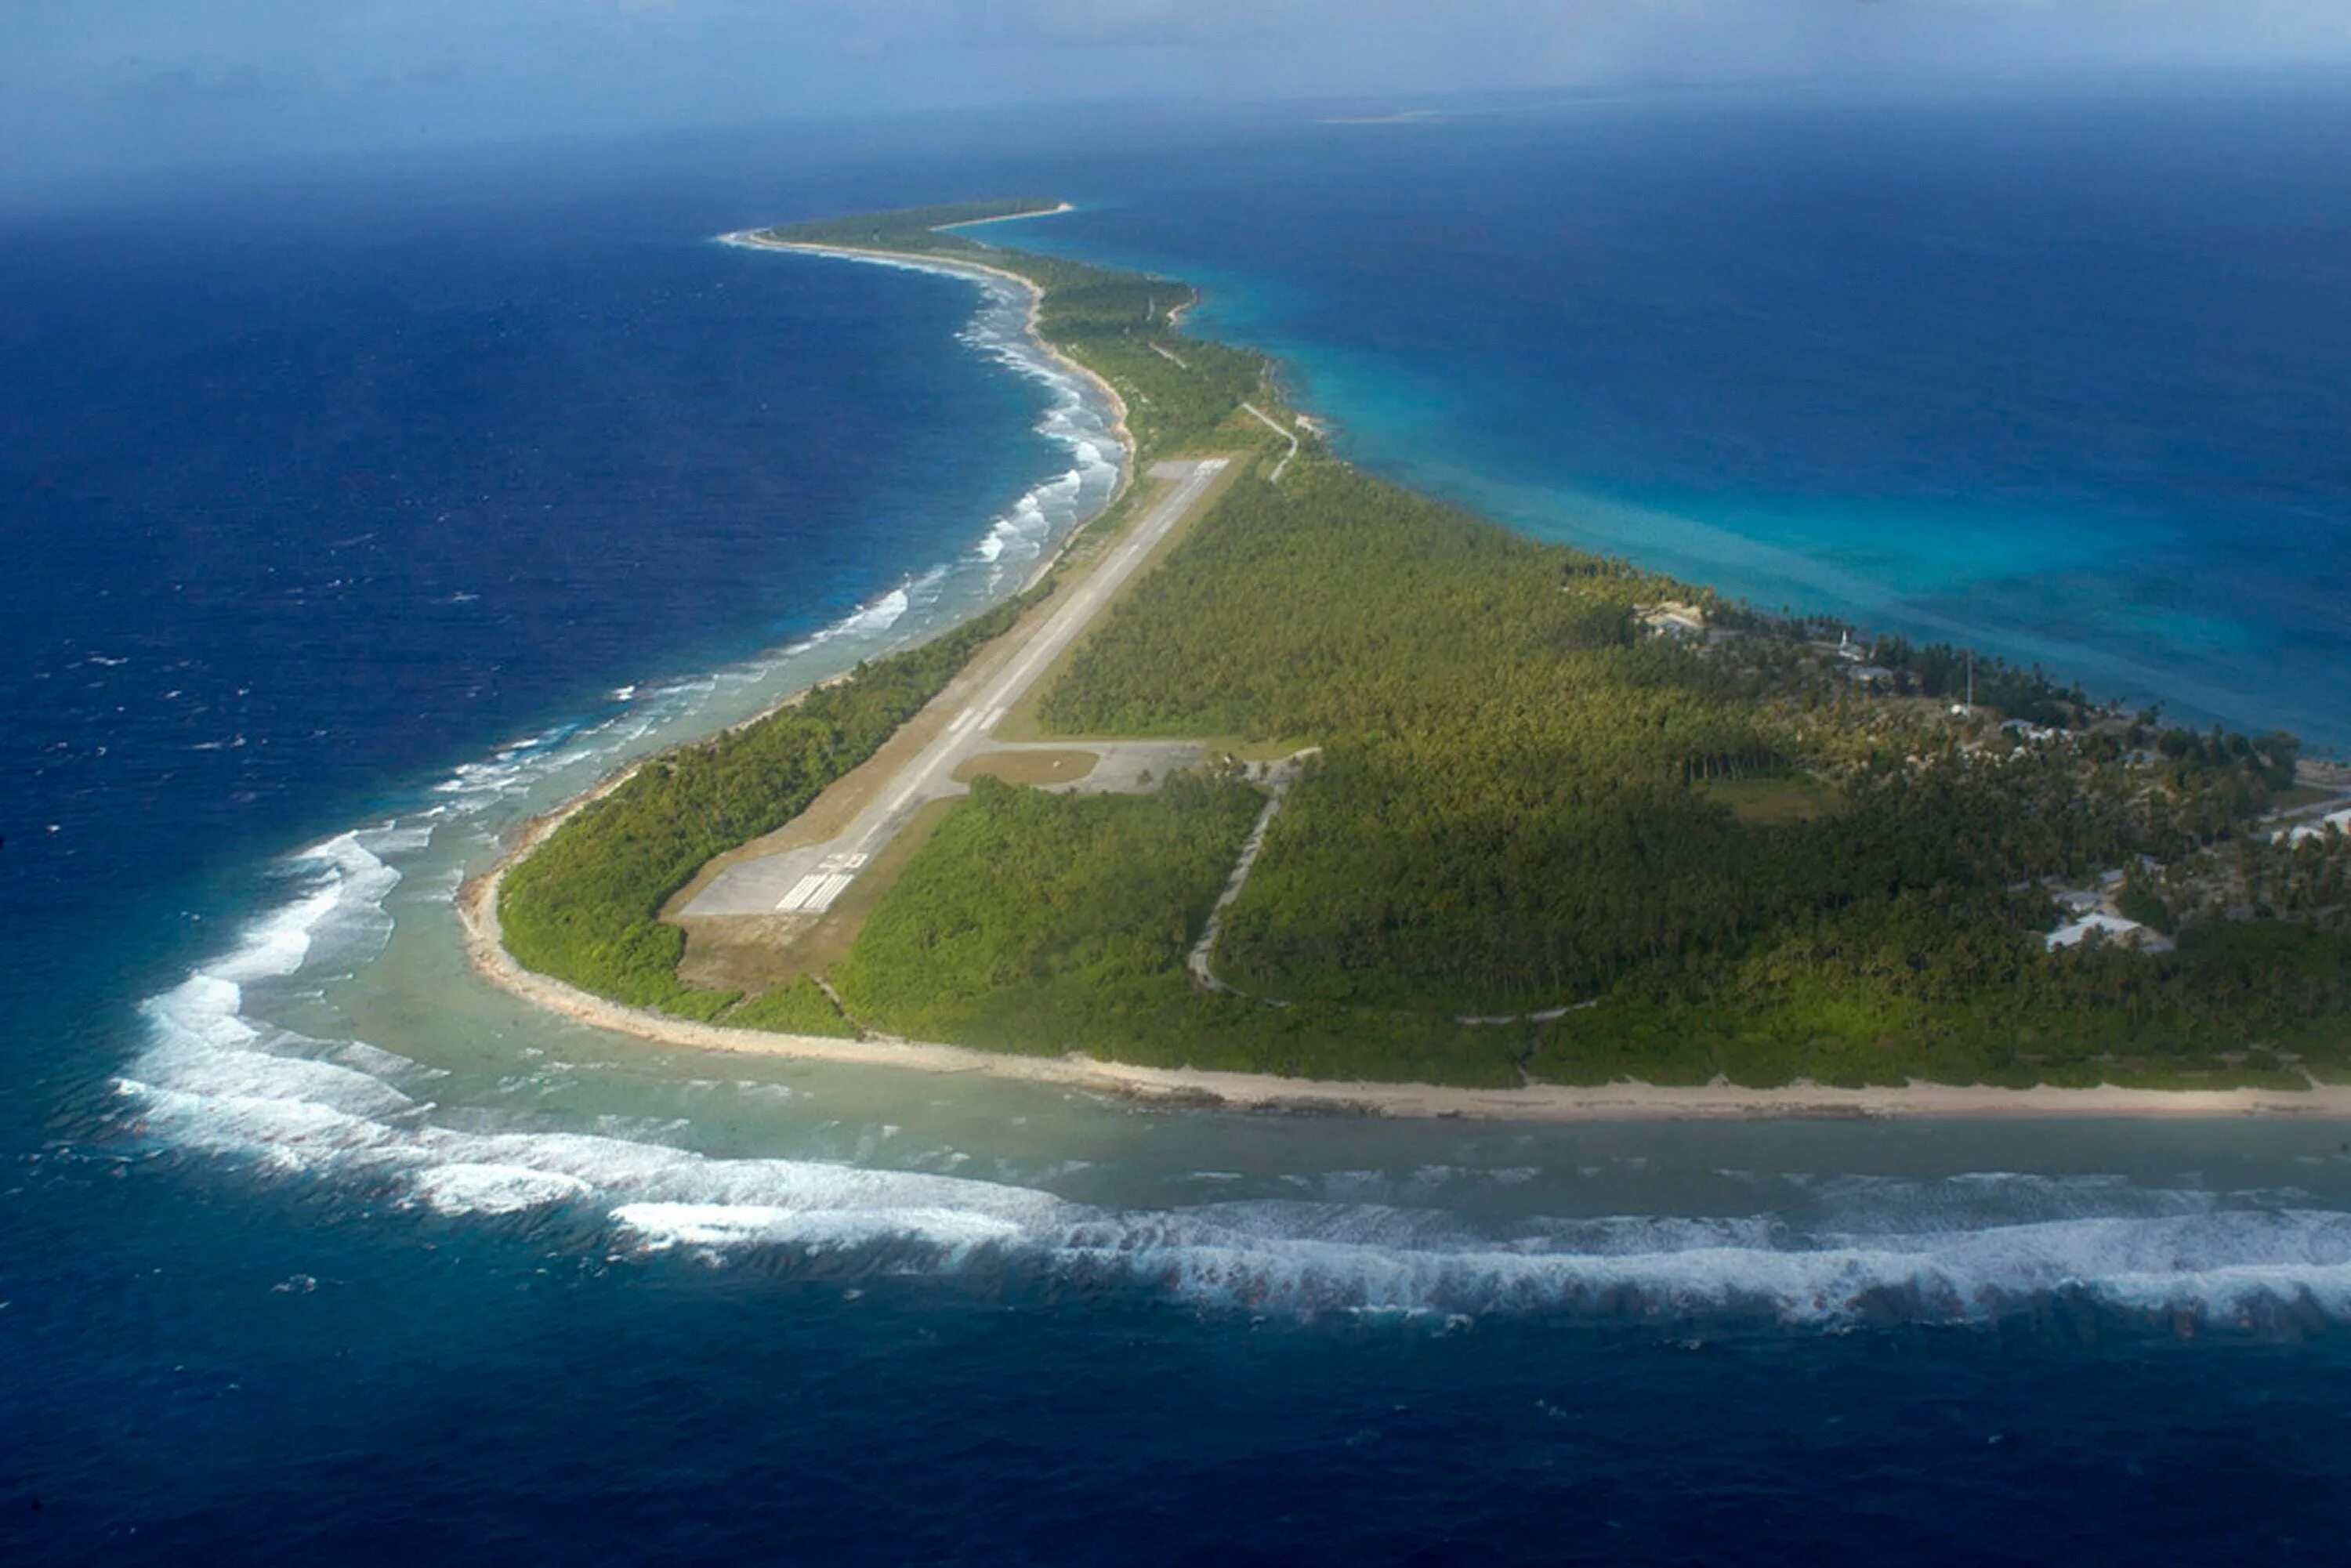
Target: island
pixel 1284 784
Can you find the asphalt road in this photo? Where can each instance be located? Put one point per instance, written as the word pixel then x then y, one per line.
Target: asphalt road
pixel 808 879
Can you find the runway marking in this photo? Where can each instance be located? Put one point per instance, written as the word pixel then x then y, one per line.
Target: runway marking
pixel 822 899
pixel 797 899
pixel 815 892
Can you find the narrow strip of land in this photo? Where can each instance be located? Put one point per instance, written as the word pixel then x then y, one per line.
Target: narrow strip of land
pixel 806 879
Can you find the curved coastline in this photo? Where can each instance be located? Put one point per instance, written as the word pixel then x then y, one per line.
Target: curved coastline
pixel 751 239
pixel 476 908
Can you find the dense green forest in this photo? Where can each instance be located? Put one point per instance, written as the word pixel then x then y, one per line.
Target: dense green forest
pixel 1502 818
pixel 585 906
pixel 1045 924
pixel 1026 890
pixel 799 1007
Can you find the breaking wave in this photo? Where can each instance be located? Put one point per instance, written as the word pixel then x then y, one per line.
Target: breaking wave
pixel 322 1119
pixel 1048 511
pixel 1078 420
pixel 1964 1249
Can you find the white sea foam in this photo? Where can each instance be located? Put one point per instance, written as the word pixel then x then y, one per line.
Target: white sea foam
pixel 219 1079
pixel 493 1189
pixel 1950 1250
pixel 716 1226
pixel 278 1131
pixel 879 616
pixel 203 1010
pixel 1076 418
pixel 2211 1264
pixel 254 1078
pixel 394 838
pixel 1024 530
pixel 346 878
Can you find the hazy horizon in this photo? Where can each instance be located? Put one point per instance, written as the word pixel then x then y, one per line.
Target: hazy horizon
pixel 139 86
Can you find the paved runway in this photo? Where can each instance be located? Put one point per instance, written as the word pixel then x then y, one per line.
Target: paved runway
pixel 809 879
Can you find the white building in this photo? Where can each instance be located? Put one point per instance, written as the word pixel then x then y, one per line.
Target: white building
pixel 2340 822
pixel 2113 928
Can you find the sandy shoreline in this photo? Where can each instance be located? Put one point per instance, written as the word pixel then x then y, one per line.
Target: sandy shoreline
pixel 477 909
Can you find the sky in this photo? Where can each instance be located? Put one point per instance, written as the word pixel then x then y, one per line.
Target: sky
pixel 92 86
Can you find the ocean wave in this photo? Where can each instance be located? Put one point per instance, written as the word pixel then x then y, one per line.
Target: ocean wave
pixel 1029 526
pixel 493 1189
pixel 1957 1250
pixel 1075 419
pixel 512 767
pixel 879 616
pixel 657 1227
pixel 220 1080
pixel 340 905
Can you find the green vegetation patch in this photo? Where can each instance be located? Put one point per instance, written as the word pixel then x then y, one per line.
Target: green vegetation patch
pixel 1046 923
pixel 800 1007
pixel 1525 801
pixel 585 905
pixel 1505 752
pixel 1031 921
pixel 2241 1002
pixel 1772 801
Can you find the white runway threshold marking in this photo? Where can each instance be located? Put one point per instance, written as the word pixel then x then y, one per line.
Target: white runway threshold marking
pixel 814 893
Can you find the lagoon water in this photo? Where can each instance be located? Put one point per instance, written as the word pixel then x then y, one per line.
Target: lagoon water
pixel 2060 374
pixel 359 517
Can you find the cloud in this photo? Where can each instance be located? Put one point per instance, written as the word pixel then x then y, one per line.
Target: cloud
pixel 1124 23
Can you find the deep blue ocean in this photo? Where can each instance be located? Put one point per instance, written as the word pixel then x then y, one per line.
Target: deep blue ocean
pixel 356 515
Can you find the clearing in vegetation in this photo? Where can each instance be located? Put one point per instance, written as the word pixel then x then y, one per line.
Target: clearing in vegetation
pixel 1039 767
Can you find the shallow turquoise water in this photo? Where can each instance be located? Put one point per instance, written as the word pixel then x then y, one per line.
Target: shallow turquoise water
pixel 2057 374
